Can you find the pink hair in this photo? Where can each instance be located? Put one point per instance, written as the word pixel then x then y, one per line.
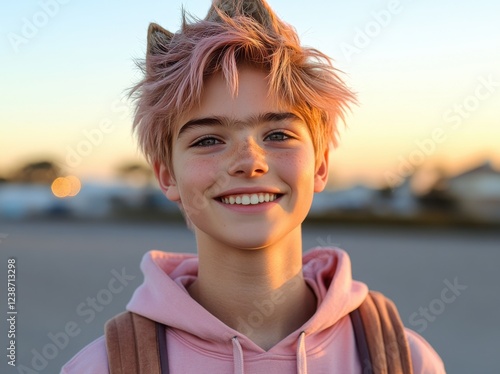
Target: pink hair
pixel 177 64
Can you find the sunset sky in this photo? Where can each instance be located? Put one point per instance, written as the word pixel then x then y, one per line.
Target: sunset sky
pixel 427 74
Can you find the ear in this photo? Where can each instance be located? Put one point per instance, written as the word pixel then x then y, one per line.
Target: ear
pixel 158 39
pixel 321 175
pixel 167 182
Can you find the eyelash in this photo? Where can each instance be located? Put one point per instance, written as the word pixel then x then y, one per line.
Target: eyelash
pixel 200 142
pixel 285 135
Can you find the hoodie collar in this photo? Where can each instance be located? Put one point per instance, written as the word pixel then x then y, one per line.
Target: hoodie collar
pixel 167 275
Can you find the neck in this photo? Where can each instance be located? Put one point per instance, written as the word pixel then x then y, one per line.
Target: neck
pixel 261 293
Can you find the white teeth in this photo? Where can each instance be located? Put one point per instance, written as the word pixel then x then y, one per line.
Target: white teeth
pixel 252 199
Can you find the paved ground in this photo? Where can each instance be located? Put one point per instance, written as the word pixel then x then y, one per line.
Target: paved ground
pixel 60 265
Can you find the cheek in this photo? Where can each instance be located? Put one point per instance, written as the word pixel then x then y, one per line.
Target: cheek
pixel 298 166
pixel 197 175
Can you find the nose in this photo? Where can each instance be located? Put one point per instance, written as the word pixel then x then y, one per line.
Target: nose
pixel 248 160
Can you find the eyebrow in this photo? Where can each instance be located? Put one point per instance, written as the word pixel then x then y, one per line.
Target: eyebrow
pixel 228 122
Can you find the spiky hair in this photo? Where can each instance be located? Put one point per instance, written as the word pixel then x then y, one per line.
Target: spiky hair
pixel 233 32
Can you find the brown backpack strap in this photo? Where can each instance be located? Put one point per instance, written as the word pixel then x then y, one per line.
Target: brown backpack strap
pixel 380 336
pixel 135 344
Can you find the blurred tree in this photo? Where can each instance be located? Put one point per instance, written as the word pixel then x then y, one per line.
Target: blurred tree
pixel 38 172
pixel 135 174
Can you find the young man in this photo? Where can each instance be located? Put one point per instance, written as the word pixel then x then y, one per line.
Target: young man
pixel 237 120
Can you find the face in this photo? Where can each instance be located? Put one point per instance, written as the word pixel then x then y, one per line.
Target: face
pixel 243 166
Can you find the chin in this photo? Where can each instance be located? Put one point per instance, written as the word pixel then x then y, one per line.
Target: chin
pixel 257 238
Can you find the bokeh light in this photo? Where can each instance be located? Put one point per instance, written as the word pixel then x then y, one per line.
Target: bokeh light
pixel 66 186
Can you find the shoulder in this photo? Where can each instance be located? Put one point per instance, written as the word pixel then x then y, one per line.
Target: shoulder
pixel 424 358
pixel 91 359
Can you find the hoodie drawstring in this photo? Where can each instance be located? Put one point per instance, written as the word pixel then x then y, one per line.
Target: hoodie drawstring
pixel 301 354
pixel 237 356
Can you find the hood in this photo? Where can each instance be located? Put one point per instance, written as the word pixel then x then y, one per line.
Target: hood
pixel 163 297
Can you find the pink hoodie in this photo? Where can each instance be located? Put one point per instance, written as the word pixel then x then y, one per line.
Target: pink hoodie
pixel 197 342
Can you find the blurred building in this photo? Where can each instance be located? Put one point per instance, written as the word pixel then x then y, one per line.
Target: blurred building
pixel 399 201
pixel 356 199
pixel 477 192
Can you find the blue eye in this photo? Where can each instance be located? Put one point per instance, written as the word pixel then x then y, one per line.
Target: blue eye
pixel 206 142
pixel 278 136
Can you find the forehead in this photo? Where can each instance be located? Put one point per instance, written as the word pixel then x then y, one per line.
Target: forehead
pixel 251 97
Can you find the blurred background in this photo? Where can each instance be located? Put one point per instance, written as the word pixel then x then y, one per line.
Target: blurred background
pixel 425 134
pixel 414 189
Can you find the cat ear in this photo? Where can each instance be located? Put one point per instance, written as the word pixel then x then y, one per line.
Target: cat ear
pixel 259 10
pixel 158 39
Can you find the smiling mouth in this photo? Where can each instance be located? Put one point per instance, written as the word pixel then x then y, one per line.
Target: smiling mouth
pixel 249 199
